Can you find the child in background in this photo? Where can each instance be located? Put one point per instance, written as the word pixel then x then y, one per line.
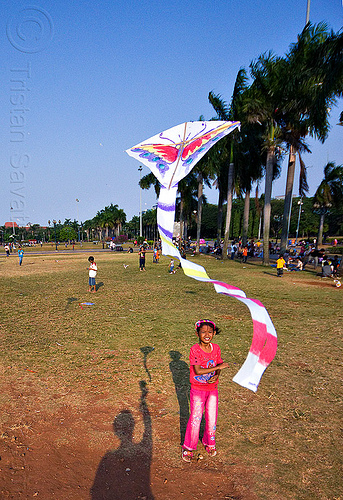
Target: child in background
pixel 20 255
pixel 171 269
pixel 92 273
pixel 156 255
pixel 141 255
pixel 206 362
pixel 279 266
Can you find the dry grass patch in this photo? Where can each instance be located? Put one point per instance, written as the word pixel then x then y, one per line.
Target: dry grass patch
pixel 68 372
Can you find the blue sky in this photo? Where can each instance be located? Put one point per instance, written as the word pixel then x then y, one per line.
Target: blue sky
pixel 97 78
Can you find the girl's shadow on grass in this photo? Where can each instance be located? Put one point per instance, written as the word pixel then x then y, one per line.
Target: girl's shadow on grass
pixel 124 474
pixel 180 373
pixel 98 285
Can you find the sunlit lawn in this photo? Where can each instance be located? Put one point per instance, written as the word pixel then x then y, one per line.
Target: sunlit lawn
pixel 287 434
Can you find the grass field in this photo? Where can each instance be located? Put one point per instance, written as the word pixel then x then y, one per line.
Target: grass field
pixel 68 372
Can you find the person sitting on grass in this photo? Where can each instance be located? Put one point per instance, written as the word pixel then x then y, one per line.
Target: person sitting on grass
pixel 299 266
pixel 327 270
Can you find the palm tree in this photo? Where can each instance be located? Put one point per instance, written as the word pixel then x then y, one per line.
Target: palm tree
pixel 315 76
pixel 150 180
pixel 204 172
pixel 149 223
pixel 218 158
pixel 188 190
pixel 329 193
pixel 88 225
pixel 105 220
pixel 119 220
pixel 249 160
pixel 261 105
pixel 232 112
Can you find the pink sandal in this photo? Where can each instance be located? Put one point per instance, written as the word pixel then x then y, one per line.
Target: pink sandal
pixel 187 455
pixel 211 450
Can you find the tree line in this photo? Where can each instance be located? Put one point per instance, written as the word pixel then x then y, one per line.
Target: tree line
pixel 280 102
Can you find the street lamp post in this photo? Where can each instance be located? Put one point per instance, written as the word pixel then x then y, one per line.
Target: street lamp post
pixel 140 203
pixel 300 203
pixel 13 230
pixel 54 223
pixel 77 212
pixel 308 11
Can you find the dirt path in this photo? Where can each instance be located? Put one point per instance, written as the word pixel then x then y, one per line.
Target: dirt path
pixel 57 444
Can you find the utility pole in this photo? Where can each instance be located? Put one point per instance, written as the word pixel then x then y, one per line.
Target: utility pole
pixel 140 203
pixel 77 212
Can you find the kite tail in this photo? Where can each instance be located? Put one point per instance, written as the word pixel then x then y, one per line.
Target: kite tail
pixel 264 342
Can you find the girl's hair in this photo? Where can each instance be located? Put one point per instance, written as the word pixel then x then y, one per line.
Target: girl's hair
pixel 90 259
pixel 201 322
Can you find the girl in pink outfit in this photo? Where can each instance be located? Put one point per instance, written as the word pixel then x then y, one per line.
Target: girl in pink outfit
pixel 206 362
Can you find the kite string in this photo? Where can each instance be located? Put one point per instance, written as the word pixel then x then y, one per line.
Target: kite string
pixel 264 342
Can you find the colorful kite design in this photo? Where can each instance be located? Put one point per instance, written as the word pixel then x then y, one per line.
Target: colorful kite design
pixel 170 156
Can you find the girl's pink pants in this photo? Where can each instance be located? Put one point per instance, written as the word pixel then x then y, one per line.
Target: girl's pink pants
pixel 200 400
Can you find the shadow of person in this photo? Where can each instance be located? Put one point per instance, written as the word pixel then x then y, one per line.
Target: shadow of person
pixel 146 351
pixel 180 374
pixel 125 472
pixel 70 300
pixel 98 285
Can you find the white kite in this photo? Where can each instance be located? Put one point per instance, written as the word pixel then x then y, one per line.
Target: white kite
pixel 171 155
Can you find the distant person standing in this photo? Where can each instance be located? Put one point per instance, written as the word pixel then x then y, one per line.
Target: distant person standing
pixel 155 254
pixel 335 264
pixel 20 255
pixel 7 250
pixel 233 250
pixel 171 269
pixel 245 254
pixel 141 255
pixel 92 274
pixel 279 266
pixel 315 257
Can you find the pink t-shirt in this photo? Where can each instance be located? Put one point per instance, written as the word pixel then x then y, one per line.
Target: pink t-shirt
pixel 206 360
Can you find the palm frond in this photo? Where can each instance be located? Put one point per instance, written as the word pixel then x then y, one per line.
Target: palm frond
pixel 219 105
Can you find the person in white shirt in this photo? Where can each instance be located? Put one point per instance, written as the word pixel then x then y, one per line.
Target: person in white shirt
pixel 92 273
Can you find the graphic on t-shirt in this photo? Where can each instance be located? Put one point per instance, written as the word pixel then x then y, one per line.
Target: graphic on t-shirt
pixel 204 378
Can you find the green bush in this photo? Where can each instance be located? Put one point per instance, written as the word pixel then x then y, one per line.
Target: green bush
pixel 335 250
